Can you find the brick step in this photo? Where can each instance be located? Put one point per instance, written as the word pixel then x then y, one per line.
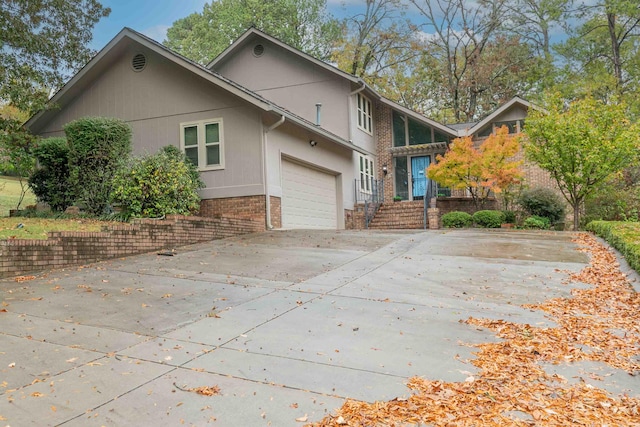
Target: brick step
pixel 400 215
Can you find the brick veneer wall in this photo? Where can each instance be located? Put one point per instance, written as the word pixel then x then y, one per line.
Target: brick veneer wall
pixel 252 207
pixel 276 212
pixel 354 219
pixel 63 249
pixel 384 141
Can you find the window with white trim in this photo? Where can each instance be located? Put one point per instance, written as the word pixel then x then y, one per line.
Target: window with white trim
pixel 203 143
pixel 365 121
pixel 366 174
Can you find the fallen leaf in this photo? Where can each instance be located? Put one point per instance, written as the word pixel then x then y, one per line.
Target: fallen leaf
pixel 598 323
pixel 302 419
pixel 204 390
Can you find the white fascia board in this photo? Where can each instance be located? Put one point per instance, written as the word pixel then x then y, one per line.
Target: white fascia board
pixel 482 123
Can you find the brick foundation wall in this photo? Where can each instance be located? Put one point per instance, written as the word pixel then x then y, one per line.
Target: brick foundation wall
pixel 252 207
pixel 276 212
pixel 64 249
pixel 354 219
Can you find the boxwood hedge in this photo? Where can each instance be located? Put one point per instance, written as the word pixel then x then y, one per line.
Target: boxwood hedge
pixel 456 220
pixel 624 236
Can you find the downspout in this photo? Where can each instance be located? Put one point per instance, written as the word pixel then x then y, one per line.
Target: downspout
pixel 265 171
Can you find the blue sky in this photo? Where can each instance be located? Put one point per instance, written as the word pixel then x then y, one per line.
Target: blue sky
pixel 153 17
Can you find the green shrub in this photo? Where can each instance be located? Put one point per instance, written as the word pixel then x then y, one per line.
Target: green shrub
pixel 456 220
pixel 488 219
pixel 509 217
pixel 50 182
pixel 543 202
pixel 97 148
pixel 155 185
pixel 537 222
pixel 624 236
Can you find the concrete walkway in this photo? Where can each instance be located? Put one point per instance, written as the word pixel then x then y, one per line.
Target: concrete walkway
pixel 287 324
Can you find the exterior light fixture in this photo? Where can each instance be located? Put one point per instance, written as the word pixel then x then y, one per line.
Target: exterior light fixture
pixel 384 169
pixel 313 143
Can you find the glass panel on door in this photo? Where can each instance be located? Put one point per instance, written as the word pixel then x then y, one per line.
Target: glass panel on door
pixel 419 176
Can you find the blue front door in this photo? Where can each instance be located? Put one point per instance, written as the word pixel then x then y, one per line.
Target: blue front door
pixel 418 176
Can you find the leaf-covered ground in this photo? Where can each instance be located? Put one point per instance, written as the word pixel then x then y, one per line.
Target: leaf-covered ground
pixel 601 323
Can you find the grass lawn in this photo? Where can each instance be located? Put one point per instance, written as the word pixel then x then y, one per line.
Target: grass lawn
pixel 10 193
pixel 36 228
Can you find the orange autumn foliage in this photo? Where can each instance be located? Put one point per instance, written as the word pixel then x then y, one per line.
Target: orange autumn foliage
pixel 490 167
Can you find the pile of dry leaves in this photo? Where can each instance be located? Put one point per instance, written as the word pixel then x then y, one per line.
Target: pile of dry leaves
pixel 601 323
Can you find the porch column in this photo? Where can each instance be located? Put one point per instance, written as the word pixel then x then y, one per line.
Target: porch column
pixel 433 217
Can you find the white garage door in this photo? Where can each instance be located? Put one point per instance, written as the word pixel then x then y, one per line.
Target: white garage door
pixel 308 197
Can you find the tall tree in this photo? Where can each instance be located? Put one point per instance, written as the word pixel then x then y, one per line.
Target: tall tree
pixel 304 24
pixel 478 64
pixel 603 52
pixel 581 146
pixel 376 40
pixel 536 20
pixel 42 43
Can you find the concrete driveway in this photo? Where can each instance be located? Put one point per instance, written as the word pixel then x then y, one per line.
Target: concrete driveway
pixel 287 324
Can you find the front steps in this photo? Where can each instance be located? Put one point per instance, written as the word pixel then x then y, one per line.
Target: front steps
pixel 399 215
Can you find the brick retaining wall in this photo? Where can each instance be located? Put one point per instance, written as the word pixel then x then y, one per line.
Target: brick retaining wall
pixel 463 204
pixel 64 249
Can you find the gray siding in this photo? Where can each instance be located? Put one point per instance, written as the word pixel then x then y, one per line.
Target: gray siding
pixel 516 112
pixel 293 143
pixel 293 83
pixel 155 101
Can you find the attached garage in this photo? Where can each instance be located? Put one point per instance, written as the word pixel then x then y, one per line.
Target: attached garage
pixel 309 197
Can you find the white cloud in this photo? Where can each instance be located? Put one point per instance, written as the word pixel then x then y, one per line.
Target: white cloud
pixel 157 32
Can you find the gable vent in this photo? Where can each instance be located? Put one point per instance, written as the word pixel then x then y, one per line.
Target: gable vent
pixel 138 62
pixel 258 50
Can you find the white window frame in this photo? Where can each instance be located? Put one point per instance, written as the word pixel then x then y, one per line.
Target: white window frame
pixel 366 172
pixel 365 115
pixel 202 146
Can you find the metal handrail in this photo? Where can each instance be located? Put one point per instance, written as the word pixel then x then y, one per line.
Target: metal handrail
pixel 371 192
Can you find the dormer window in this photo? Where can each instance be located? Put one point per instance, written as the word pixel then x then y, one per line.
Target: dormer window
pixel 365 120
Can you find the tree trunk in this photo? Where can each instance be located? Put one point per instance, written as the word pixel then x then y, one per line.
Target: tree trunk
pixel 576 215
pixel 615 49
